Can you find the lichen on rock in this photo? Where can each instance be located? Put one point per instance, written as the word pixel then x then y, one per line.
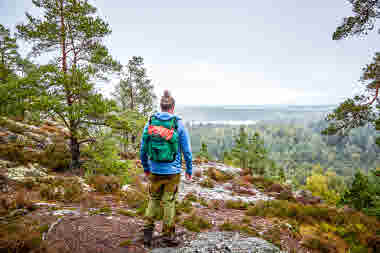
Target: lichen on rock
pixel 222 242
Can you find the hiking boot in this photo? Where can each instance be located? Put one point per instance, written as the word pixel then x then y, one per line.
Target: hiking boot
pixel 148 235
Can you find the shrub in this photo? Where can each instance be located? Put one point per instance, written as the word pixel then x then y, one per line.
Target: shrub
pixel 246 219
pixel 184 206
pixel 364 194
pixel 354 227
pixel 105 184
pixel 133 198
pixel 203 153
pixel 236 204
pixel 21 237
pixel 126 213
pixel 218 175
pixel 23 200
pixel 262 182
pixel 207 182
pixel 105 209
pixel 191 197
pixel 318 184
pixel 229 226
pixel 103 157
pixel 196 223
pixel 61 189
pixel 203 202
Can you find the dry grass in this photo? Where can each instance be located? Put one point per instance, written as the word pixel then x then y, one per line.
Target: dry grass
pixel 61 189
pixel 105 184
pixel 228 225
pixel 89 200
pixel 207 182
pixel 22 236
pixel 219 176
pixel 191 196
pixel 196 223
pixel 22 199
pixel 354 228
pixel 236 204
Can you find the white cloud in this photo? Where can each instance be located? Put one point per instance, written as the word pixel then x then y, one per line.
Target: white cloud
pixel 214 84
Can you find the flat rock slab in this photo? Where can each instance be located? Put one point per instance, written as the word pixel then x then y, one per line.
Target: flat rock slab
pixel 219 192
pixel 94 234
pixel 223 242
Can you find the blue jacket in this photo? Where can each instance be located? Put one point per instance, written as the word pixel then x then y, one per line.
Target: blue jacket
pixel 184 147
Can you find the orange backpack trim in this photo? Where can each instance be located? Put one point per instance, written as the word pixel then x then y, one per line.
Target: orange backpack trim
pixel 163 132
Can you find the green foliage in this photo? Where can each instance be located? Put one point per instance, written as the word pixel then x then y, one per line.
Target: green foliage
pixel 196 223
pixel 236 204
pixel 240 150
pixel 65 88
pixel 134 94
pixel 135 91
pixel 203 153
pixel 227 225
pixel 362 109
pixel 364 194
pixel 61 189
pixel 251 153
pixel 366 12
pixel 297 147
pixel 105 184
pixel 126 213
pixel 354 227
pixel 102 157
pixel 9 56
pixel 184 206
pixel 318 184
pixel 207 182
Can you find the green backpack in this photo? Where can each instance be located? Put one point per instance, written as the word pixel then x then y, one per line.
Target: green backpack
pixel 161 140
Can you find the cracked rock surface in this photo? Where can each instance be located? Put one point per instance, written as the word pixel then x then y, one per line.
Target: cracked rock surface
pixel 220 191
pixel 223 242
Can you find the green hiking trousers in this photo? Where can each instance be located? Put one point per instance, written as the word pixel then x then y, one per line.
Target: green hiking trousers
pixel 163 191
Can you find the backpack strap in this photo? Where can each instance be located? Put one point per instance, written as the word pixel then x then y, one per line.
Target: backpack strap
pixel 150 119
pixel 174 123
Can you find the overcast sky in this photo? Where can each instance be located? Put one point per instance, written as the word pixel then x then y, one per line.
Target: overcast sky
pixel 233 52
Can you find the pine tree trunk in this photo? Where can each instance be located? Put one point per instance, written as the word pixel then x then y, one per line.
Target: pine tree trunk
pixel 75 153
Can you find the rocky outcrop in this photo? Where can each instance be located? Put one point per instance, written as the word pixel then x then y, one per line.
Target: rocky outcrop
pixel 46 144
pixel 221 190
pixel 223 242
pixel 306 197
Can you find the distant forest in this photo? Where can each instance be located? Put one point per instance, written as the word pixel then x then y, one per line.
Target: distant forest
pixel 297 145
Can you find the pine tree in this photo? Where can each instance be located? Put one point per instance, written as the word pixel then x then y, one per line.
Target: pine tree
pixel 240 149
pixel 9 55
pixel 71 29
pixel 203 153
pixel 135 92
pixel 257 154
pixel 365 108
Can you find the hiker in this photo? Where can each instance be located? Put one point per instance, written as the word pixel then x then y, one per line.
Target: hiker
pixel 163 142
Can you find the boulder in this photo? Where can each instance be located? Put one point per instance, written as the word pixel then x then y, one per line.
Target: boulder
pixel 306 197
pixel 21 172
pixel 47 144
pixel 275 188
pixel 222 242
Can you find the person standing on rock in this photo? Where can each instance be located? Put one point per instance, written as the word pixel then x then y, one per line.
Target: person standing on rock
pixel 163 142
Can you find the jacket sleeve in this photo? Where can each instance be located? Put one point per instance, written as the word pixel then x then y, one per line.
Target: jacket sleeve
pixel 185 147
pixel 143 154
